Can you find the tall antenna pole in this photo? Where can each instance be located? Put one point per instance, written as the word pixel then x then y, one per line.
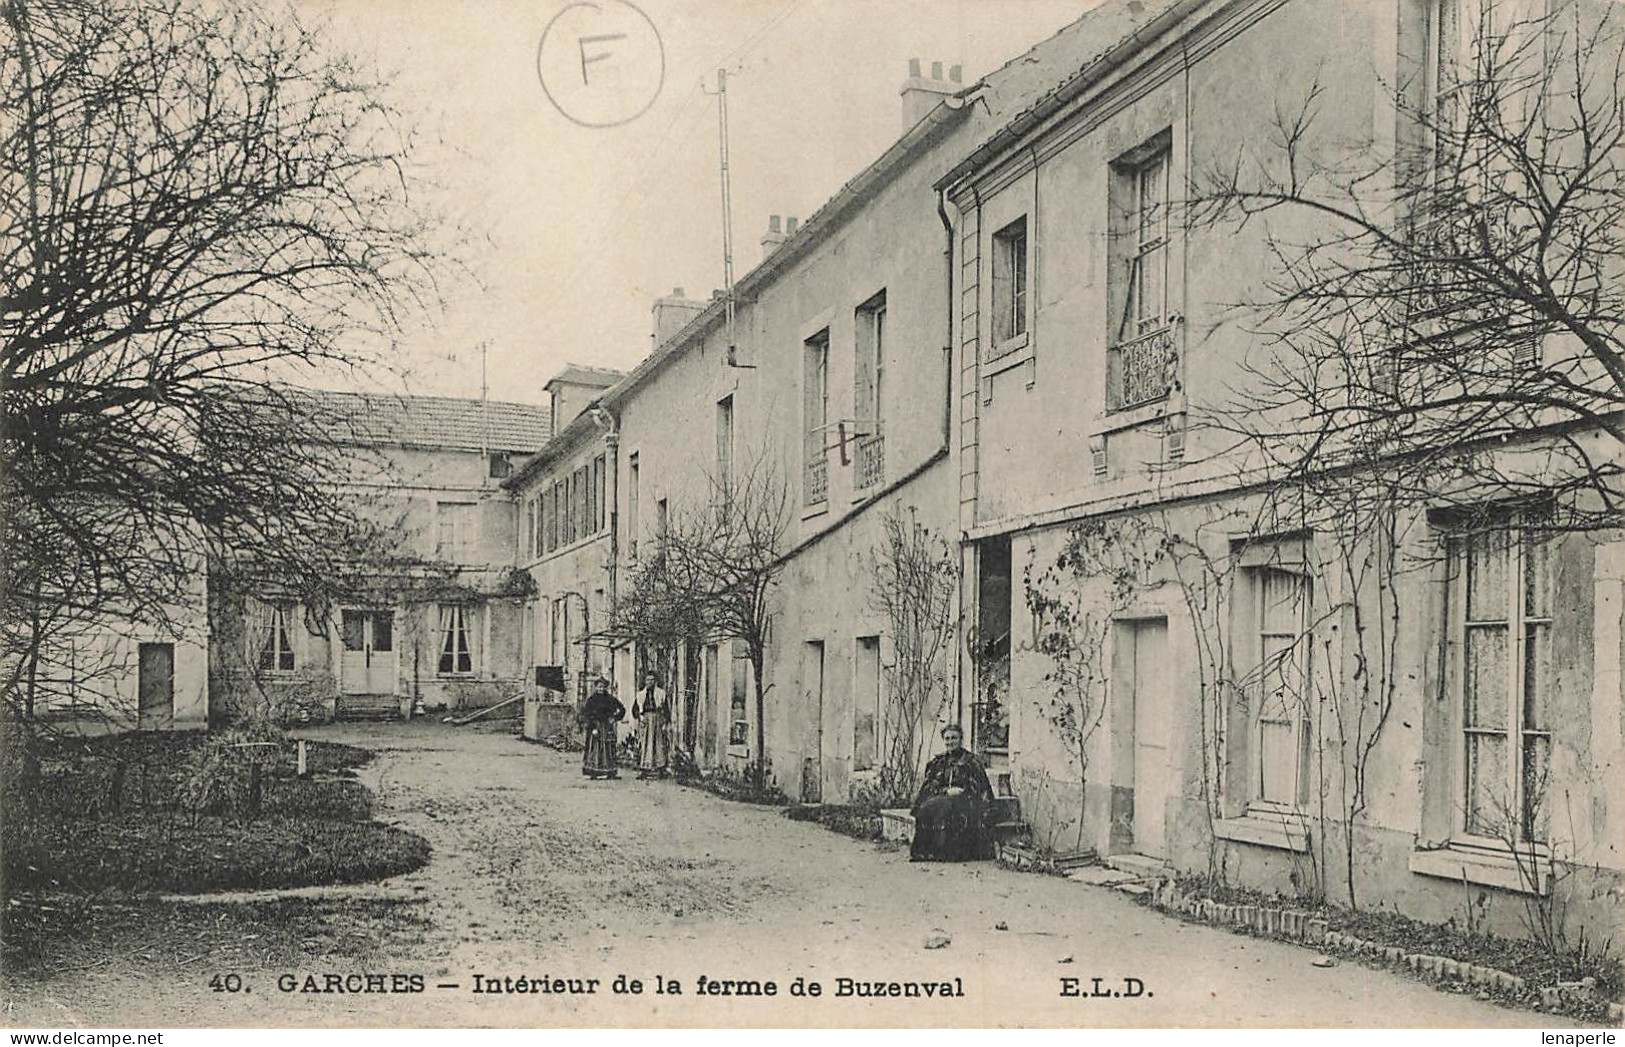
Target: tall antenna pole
pixel 485 410
pixel 727 214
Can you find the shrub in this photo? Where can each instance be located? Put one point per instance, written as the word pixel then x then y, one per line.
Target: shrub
pixel 886 791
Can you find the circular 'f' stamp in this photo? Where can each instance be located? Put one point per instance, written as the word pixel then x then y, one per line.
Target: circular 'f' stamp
pixel 601 62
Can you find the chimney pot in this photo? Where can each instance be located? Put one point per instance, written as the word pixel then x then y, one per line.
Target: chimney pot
pixel 954 73
pixel 772 223
pixel 790 226
pixel 913 67
pixel 672 313
pixel 936 70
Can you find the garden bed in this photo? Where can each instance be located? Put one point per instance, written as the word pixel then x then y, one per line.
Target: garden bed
pixel 732 787
pixel 1521 972
pixel 195 812
pixel 168 939
pixel 81 776
pixel 856 821
pixel 1026 857
pixel 140 854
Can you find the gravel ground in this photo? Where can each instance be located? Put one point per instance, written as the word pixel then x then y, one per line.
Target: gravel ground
pixel 538 873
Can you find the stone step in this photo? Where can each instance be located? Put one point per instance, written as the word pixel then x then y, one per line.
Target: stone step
pixel 1140 866
pixel 353 707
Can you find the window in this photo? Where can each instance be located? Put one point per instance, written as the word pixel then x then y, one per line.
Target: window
pixel 275 640
pixel 500 466
pixel 559 632
pixel 1501 630
pixel 371 631
pixel 1487 58
pixel 725 442
pixel 456 657
pixel 1142 358
pixel 572 496
pixel 1010 281
pixel 1147 281
pixel 584 501
pixel 662 521
pixel 1282 678
pixel 815 417
pixel 455 529
pixel 870 364
pixel 632 504
pixel 869 359
pixel 598 508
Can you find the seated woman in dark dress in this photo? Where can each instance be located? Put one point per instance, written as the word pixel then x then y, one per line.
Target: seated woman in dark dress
pixel 954 800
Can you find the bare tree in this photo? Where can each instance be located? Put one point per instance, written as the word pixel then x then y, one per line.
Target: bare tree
pixel 1440 329
pixel 912 586
pixel 200 201
pixel 1073 602
pixel 712 573
pixel 1428 310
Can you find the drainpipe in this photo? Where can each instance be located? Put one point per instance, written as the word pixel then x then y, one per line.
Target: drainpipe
pixel 949 223
pixel 611 424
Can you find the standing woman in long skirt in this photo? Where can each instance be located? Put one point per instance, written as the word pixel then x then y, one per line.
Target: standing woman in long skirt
pixel 652 710
pixel 599 713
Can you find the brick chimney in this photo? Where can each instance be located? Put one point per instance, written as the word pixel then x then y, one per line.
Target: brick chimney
pixel 672 313
pixel 777 233
pixel 921 94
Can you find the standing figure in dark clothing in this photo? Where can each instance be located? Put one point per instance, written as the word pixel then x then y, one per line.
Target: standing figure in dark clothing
pixel 954 801
pixel 599 714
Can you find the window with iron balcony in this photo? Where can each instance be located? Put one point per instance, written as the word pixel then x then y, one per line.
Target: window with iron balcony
pixel 869 362
pixel 815 419
pixel 1142 360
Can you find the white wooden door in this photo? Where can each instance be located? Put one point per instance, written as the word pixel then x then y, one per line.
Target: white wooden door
pixel 368 663
pixel 1152 709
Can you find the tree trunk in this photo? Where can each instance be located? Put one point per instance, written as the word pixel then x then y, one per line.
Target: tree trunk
pixel 757 657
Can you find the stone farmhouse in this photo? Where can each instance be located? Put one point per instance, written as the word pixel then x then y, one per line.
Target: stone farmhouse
pixel 1008 332
pixel 1005 327
pixel 442 625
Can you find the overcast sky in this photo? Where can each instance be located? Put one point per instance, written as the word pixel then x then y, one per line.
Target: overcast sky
pixel 584 226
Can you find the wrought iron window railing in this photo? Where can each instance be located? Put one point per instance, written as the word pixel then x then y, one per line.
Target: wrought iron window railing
pixel 871 461
pixel 1142 370
pixel 815 488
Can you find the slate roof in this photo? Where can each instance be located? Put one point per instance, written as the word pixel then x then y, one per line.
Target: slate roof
pixel 1036 73
pixel 1032 85
pixel 580 374
pixel 1021 87
pixel 425 421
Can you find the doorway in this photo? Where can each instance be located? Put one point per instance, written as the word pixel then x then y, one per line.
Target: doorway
pixel 812 770
pixel 990 654
pixel 368 662
pixel 1145 710
pixel 691 695
pixel 155 686
pixel 709 740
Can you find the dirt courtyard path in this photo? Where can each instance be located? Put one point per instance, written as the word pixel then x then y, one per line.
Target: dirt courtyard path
pixel 538 873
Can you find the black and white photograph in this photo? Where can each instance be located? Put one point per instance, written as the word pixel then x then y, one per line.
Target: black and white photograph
pixel 785 514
